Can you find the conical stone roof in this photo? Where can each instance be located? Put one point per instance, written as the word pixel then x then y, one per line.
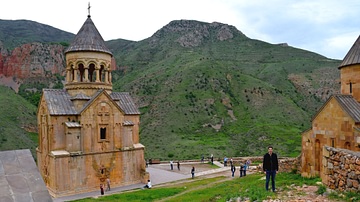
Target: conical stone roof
pixel 353 56
pixel 88 39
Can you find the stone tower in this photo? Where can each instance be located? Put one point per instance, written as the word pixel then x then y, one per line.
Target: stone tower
pixel 87 132
pixel 350 72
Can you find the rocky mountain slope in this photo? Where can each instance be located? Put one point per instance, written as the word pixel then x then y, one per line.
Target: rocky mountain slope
pixel 202 88
pixel 31 61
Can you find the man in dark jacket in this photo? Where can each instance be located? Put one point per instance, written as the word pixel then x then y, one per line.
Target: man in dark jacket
pixel 271 167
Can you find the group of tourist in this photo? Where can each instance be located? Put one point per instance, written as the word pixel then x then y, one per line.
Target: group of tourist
pixel 172 165
pixel 270 168
pixel 243 168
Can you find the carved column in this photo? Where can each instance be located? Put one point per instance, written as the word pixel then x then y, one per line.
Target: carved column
pixel 86 74
pixel 97 75
pixel 68 76
pixel 106 76
pixel 75 76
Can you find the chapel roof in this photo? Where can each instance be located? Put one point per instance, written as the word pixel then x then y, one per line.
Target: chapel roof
pixel 59 102
pixel 350 105
pixel 124 100
pixel 353 56
pixel 88 39
pixel 347 103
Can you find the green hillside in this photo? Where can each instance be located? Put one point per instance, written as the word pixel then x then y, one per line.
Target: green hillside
pixel 14 33
pixel 17 117
pixel 202 88
pixel 232 97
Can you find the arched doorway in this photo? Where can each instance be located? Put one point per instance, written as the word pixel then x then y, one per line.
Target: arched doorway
pixel 347 145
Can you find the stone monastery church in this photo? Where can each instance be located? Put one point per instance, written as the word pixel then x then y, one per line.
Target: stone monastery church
pixel 337 123
pixel 87 132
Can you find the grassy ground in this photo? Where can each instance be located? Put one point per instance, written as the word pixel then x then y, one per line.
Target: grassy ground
pixel 223 188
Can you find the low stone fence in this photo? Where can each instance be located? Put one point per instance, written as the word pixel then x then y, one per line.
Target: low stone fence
pixel 342 169
pixel 286 164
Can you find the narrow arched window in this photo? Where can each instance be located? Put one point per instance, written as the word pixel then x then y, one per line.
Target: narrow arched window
pixel 91 72
pixel 102 73
pixel 81 70
pixel 350 87
pixel 102 133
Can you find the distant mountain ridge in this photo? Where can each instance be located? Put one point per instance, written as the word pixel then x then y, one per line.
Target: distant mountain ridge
pixel 14 33
pixel 207 88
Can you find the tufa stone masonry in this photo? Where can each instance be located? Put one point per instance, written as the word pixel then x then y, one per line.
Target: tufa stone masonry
pixel 87 132
pixel 336 124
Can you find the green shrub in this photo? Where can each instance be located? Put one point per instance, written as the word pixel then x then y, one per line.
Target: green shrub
pixel 321 190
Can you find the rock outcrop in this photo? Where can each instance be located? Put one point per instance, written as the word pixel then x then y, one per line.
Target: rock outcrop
pixel 33 60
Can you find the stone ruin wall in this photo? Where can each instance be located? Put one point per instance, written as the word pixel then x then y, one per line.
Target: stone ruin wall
pixel 341 169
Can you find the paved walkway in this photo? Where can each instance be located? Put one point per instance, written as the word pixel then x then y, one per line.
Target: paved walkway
pixel 158 176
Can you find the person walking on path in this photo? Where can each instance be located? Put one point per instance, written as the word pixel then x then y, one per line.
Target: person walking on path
pixel 202 158
pixel 233 169
pixel 193 172
pixel 178 165
pixel 271 168
pixel 101 189
pixel 212 159
pixel 108 184
pixel 171 165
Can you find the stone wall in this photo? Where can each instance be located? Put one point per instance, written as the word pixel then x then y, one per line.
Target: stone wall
pixel 286 164
pixel 342 169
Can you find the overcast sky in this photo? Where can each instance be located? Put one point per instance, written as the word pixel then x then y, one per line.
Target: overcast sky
pixel 327 27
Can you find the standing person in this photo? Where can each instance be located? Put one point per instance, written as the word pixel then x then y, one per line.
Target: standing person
pixel 202 158
pixel 108 184
pixel 271 167
pixel 101 189
pixel 248 162
pixel 241 169
pixel 212 159
pixel 193 172
pixel 245 167
pixel 233 169
pixel 178 165
pixel 225 161
pixel 171 165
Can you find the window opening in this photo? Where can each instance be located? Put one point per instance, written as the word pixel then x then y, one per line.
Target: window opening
pixel 102 133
